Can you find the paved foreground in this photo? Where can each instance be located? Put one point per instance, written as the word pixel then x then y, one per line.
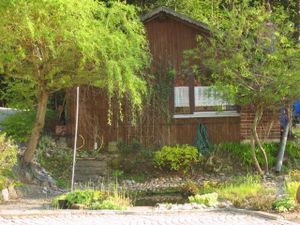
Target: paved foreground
pixel 214 217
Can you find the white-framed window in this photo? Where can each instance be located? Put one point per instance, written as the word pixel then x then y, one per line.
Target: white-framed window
pixel 181 96
pixel 208 96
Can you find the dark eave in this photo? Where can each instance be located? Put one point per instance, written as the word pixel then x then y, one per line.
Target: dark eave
pixel 178 16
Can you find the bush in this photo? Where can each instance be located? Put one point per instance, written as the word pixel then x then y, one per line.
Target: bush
pixel 242 153
pixel 56 159
pixel 243 192
pixel 189 188
pixel 19 125
pixel 8 158
pixel 176 158
pixel 210 199
pixel 293 154
pixel 94 199
pixel 284 205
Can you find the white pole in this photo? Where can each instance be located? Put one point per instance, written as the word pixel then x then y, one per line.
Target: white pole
pixel 75 139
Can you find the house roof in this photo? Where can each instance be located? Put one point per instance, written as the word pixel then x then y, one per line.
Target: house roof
pixel 171 13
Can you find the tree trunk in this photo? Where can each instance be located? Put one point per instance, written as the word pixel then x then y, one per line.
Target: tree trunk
pixel 38 126
pixel 254 158
pixel 298 20
pixel 257 118
pixel 284 138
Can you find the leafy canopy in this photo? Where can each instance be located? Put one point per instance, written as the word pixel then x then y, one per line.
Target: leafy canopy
pixel 62 43
pixel 252 56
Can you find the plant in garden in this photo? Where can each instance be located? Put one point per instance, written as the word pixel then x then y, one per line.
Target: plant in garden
pixel 210 199
pixel 284 205
pixel 8 158
pixel 56 159
pixel 54 45
pixel 94 199
pixel 242 152
pixel 177 158
pixel 243 192
pixel 189 188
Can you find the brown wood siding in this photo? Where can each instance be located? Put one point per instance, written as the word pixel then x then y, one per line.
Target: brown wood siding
pixel 168 40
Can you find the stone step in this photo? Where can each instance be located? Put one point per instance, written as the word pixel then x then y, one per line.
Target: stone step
pixel 87 170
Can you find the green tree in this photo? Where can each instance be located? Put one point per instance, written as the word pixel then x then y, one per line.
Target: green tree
pixel 254 59
pixel 63 43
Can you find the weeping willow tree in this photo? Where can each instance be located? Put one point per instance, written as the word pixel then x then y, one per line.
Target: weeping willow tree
pixel 64 43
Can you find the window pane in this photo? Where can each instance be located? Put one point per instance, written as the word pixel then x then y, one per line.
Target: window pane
pixel 181 96
pixel 208 96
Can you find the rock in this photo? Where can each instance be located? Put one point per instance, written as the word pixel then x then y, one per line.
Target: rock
pixel 12 192
pixel 5 194
pixel 28 177
pixel 298 195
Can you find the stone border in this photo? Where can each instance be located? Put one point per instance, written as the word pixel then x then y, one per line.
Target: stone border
pixel 133 211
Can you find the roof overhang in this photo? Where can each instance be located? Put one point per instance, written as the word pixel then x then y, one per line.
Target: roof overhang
pixel 161 11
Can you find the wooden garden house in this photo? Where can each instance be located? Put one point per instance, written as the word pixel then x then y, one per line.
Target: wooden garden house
pixel 170 34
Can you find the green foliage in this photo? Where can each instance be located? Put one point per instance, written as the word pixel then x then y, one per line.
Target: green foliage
pixel 293 155
pixel 18 94
pixel 284 205
pixel 135 160
pixel 56 159
pixel 189 188
pixel 177 158
pixel 242 153
pixel 61 44
pixel 18 126
pixel 291 188
pixel 210 199
pixel 294 175
pixel 112 202
pixel 94 199
pixel 8 158
pixel 118 173
pixel 243 192
pixel 93 43
pixel 293 150
pixel 85 197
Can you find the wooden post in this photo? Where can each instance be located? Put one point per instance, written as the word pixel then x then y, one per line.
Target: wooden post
pixel 75 138
pixel 192 93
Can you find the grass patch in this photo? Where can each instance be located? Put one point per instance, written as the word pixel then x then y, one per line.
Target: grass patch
pixel 243 192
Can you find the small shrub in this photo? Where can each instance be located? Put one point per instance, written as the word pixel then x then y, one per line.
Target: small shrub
pixel 133 155
pixel 210 199
pixel 8 158
pixel 242 153
pixel 189 188
pixel 261 201
pixel 291 188
pixel 294 175
pixel 56 159
pixel 293 154
pixel 112 202
pixel 19 125
pixel 209 187
pixel 176 158
pixel 94 199
pixel 284 205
